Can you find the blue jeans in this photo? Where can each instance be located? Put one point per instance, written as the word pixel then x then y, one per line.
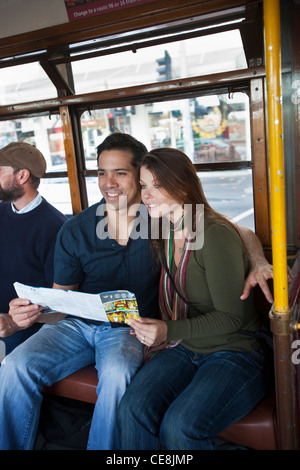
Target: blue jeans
pixel 181 400
pixel 50 355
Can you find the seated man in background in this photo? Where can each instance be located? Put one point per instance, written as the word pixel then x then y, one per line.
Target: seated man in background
pixel 28 229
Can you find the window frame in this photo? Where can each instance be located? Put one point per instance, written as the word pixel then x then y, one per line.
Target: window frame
pixel 71 107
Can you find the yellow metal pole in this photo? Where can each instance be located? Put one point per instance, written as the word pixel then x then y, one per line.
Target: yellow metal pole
pixel 276 160
pixel 280 315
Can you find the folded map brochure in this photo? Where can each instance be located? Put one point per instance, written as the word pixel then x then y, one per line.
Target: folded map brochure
pixel 115 306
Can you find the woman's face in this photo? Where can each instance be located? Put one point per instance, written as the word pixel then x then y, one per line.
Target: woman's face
pixel 157 200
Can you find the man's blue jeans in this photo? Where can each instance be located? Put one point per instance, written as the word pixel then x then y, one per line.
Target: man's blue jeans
pixel 50 355
pixel 181 400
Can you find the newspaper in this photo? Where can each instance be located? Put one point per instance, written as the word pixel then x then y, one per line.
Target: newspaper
pixel 114 306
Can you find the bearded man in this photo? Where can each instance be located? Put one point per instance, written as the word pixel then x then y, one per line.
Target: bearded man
pixel 28 229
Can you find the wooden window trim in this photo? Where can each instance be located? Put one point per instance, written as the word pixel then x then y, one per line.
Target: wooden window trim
pixel 174 89
pixel 71 159
pixel 260 168
pixel 141 93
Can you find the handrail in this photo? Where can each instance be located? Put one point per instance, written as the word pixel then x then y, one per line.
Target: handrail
pixel 280 315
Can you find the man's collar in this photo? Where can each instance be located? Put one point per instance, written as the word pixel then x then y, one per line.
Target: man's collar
pixel 32 205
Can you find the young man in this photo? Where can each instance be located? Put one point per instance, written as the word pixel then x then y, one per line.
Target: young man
pixel 89 262
pixel 28 229
pixel 90 256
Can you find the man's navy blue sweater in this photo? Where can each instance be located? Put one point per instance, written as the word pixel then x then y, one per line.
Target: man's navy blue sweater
pixel 27 243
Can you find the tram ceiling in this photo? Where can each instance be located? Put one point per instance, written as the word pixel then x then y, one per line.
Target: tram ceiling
pixel 56 59
pixel 106 34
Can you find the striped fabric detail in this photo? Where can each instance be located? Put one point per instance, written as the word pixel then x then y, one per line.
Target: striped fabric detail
pixel 172 307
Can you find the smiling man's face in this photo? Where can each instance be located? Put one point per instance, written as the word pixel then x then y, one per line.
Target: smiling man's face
pixel 118 180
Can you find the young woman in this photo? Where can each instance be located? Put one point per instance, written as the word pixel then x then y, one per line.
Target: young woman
pixel 204 373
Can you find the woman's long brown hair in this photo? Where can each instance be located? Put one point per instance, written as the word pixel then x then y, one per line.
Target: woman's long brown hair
pixel 176 173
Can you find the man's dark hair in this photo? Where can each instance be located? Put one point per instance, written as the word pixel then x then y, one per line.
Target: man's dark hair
pixel 120 141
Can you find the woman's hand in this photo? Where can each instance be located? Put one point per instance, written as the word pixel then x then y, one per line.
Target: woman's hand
pixel 149 331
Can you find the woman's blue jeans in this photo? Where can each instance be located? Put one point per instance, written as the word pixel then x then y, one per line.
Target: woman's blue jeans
pixel 180 400
pixel 54 352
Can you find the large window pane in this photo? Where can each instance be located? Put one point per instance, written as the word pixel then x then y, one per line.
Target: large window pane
pixel 23 83
pixel 214 53
pixel 45 132
pixel 230 193
pixel 208 129
pixel 211 128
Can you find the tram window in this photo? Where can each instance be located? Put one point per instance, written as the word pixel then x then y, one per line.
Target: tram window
pixel 213 128
pixel 23 83
pixel 57 192
pixel 209 129
pixel 231 193
pixel 45 132
pixel 197 56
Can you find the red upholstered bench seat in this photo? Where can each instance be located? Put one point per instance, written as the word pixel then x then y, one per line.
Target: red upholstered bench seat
pixel 78 386
pixel 256 430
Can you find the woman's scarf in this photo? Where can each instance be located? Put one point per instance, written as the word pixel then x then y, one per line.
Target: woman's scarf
pixel 173 301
